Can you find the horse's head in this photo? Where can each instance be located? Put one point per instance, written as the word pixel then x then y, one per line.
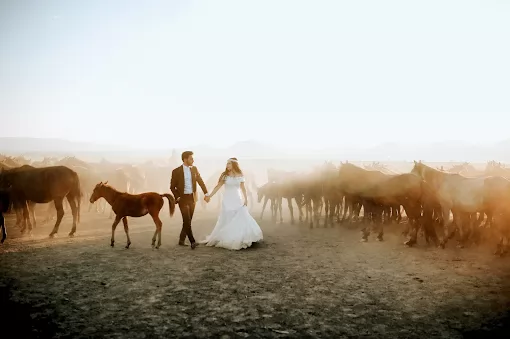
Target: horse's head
pixel 98 192
pixel 418 169
pixel 261 191
pixel 5 178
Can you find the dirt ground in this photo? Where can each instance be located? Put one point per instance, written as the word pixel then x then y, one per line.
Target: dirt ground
pixel 297 283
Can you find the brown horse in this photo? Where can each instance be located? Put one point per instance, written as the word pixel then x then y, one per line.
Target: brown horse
pixel 354 180
pixel 133 205
pixel 43 185
pixel 5 198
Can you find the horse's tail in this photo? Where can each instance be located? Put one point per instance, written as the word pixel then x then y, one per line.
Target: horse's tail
pixel 171 202
pixel 77 195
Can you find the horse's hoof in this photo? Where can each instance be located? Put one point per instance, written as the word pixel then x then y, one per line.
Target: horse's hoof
pixel 409 243
pixel 112 244
pixel 127 246
pixel 157 247
pixel 363 240
pixel 379 239
pixel 71 235
pixel 52 235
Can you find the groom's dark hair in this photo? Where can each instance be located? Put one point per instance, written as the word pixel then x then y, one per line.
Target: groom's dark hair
pixel 185 155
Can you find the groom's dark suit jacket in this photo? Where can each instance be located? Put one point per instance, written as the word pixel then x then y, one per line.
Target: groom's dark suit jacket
pixel 177 182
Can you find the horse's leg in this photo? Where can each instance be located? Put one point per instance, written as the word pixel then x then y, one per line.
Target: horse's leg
pixel 274 208
pixel 2 225
pixel 280 201
pixel 291 210
pixel 263 207
pixel 19 213
pixel 60 214
pixel 111 213
pixel 346 208
pixel 461 219
pixel 379 224
pixel 415 221
pixel 31 210
pixel 326 211
pixel 309 212
pixel 447 225
pixel 338 209
pixel 126 229
pixel 299 203
pixel 335 213
pixel 159 226
pixel 26 218
pixel 114 226
pixel 488 221
pixel 499 246
pixel 74 210
pixel 49 212
pixel 319 210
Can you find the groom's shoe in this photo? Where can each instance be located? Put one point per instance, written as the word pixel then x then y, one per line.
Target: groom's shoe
pixel 194 245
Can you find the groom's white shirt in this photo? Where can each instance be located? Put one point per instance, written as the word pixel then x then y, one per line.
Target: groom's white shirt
pixel 188 187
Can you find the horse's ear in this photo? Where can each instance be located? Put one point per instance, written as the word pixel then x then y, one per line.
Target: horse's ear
pixel 106 182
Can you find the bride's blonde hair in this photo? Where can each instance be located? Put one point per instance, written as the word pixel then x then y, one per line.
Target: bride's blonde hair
pixel 235 168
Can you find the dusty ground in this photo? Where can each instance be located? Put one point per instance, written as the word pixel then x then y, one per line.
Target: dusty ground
pixel 297 283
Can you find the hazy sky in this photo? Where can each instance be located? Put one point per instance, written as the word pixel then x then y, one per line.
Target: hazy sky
pixel 177 73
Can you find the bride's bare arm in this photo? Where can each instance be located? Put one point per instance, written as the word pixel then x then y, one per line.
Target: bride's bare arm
pixel 243 189
pixel 218 186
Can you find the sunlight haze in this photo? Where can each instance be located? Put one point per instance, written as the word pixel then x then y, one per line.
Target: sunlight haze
pixel 299 74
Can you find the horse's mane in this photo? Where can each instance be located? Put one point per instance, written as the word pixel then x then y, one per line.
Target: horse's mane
pixel 111 188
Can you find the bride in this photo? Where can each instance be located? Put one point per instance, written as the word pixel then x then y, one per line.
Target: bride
pixel 235 229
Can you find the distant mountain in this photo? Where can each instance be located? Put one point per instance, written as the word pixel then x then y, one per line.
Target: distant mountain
pixel 31 145
pixel 391 151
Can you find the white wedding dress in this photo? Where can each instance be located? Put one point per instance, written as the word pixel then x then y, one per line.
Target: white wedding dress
pixel 235 229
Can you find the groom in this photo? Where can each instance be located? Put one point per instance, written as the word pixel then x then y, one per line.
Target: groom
pixel 184 188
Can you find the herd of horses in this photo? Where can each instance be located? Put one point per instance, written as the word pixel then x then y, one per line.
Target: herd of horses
pixel 429 196
pixel 456 201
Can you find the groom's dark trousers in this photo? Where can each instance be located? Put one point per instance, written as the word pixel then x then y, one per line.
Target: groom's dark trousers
pixel 187 207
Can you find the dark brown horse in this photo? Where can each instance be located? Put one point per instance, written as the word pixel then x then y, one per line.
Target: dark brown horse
pixel 133 205
pixel 269 191
pixel 5 201
pixel 354 180
pixel 290 189
pixel 43 185
pixel 410 191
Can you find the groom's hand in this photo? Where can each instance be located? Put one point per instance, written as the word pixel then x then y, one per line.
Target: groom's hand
pixel 207 198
